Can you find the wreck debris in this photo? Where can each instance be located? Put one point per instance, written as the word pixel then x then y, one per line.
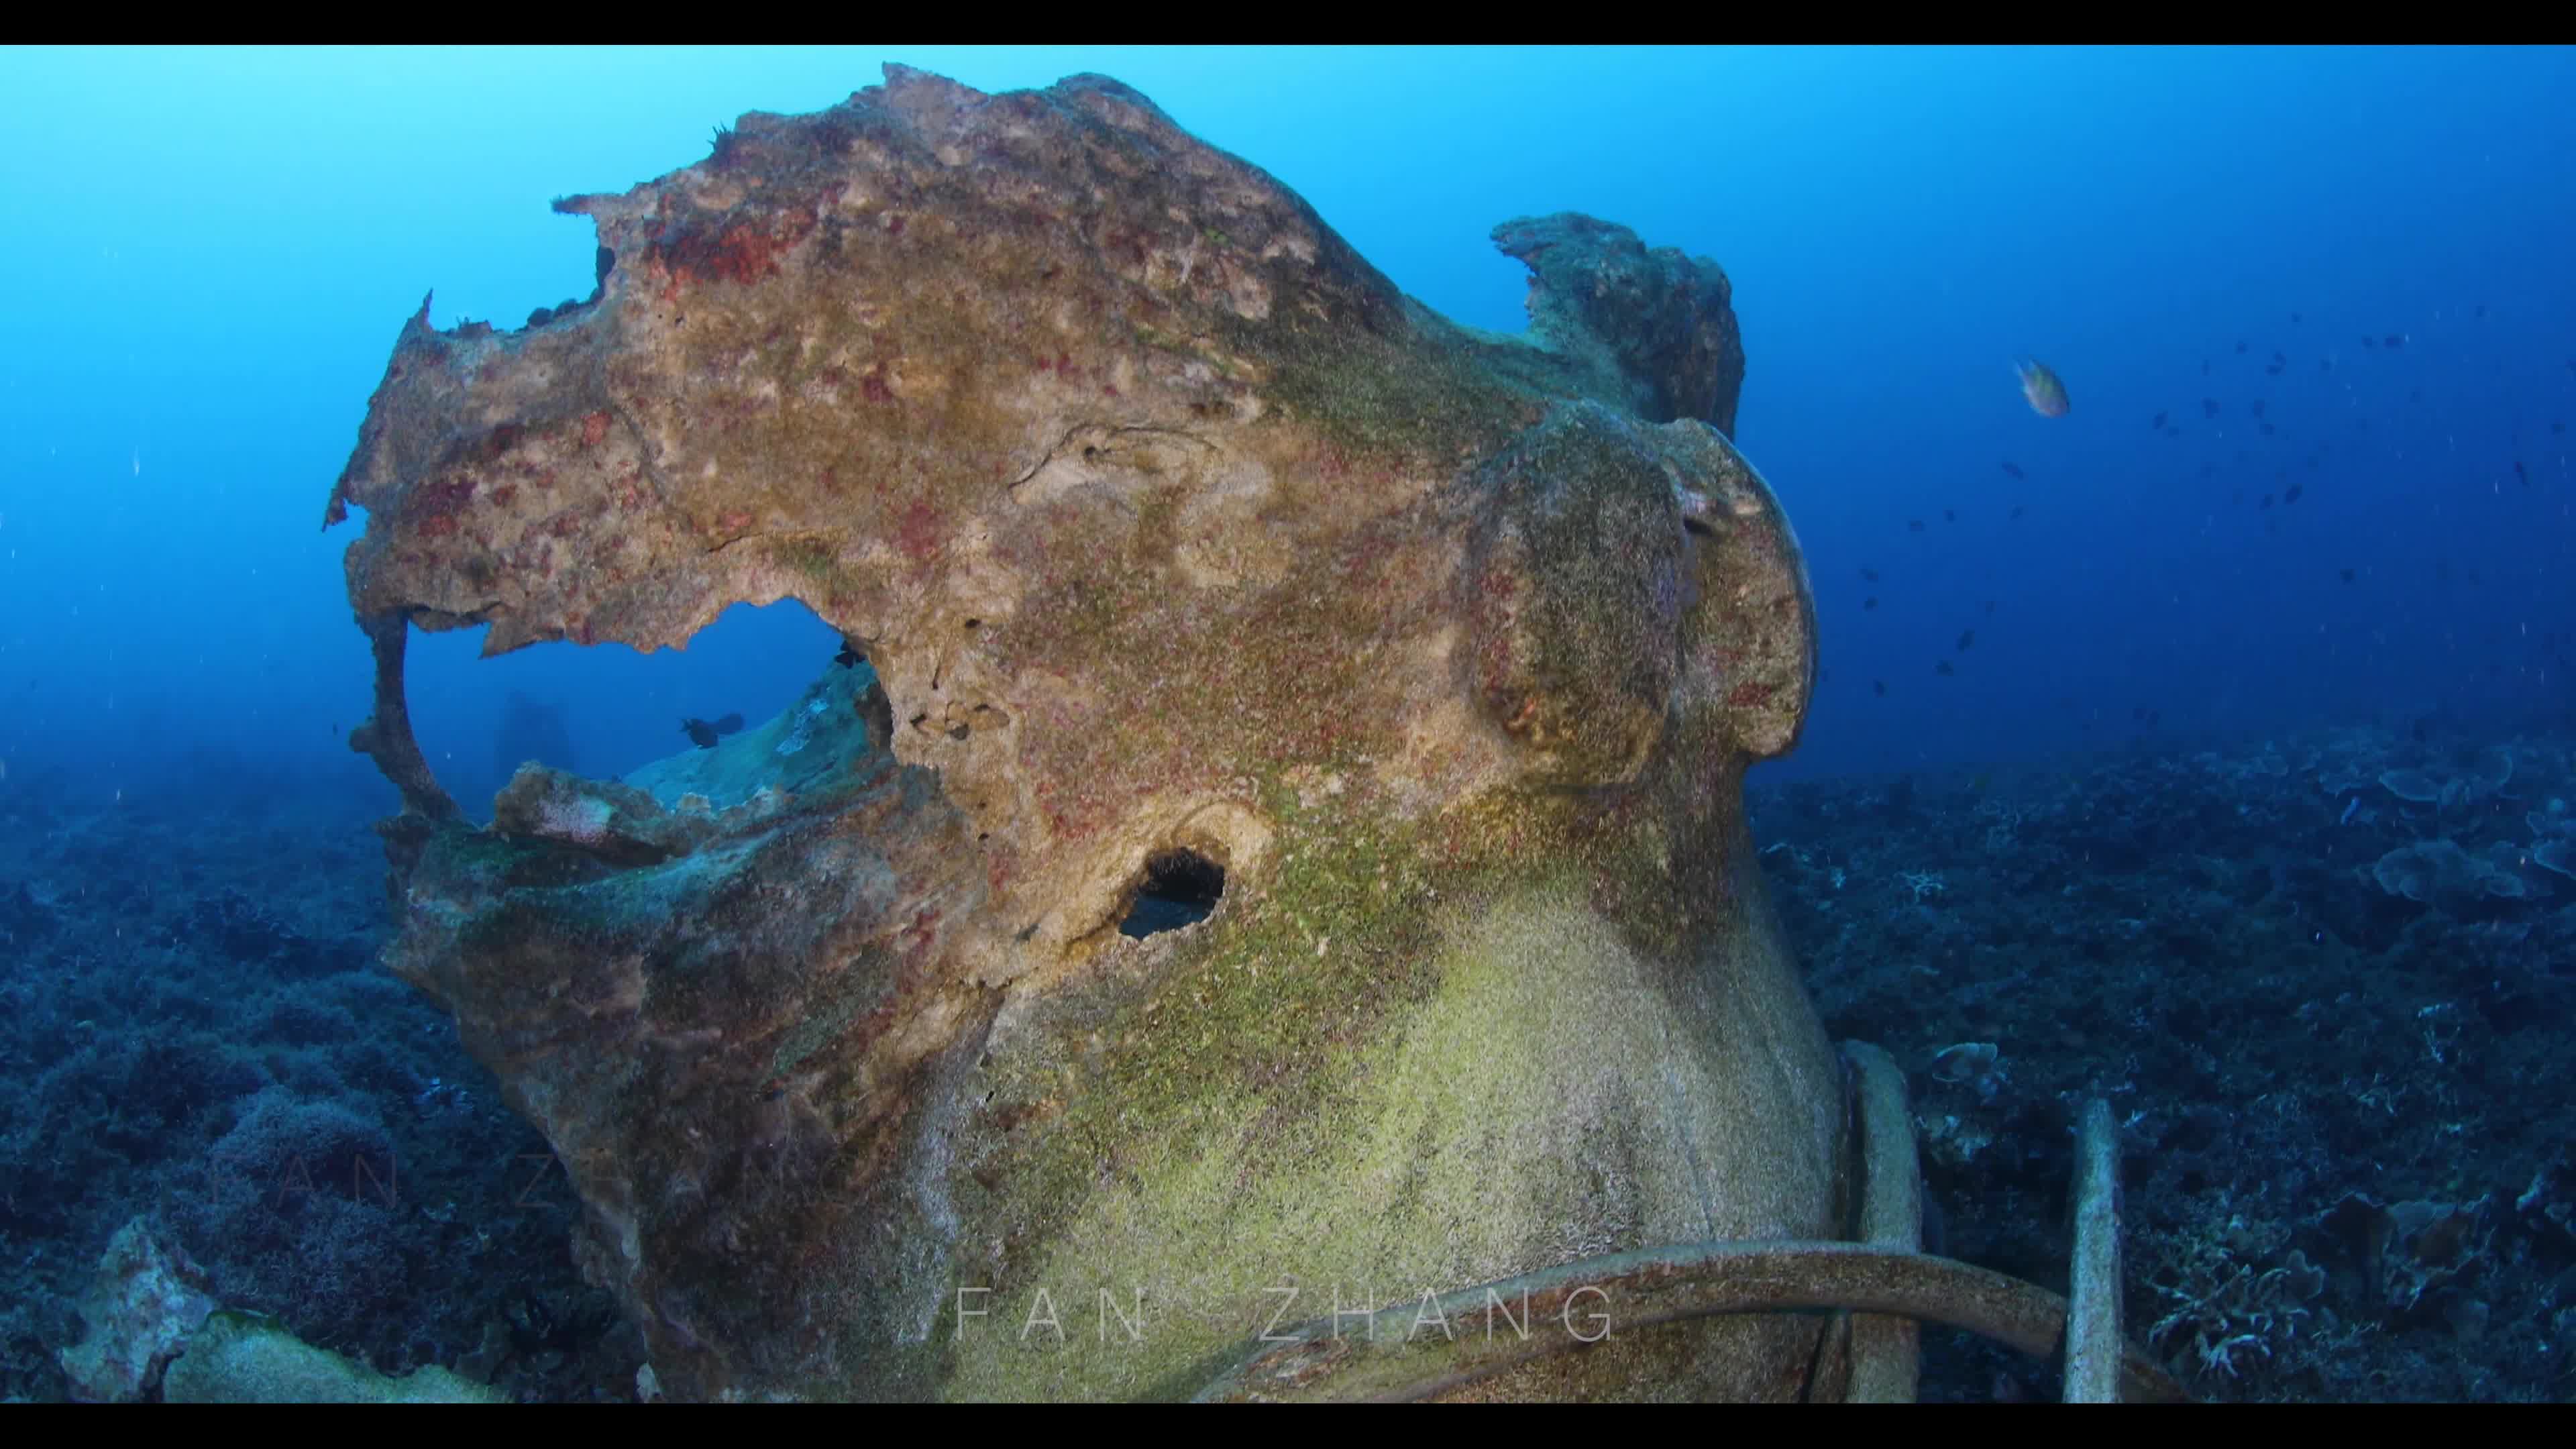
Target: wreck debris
pixel 1168 531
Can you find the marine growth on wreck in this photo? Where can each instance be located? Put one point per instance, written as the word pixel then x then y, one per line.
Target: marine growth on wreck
pixel 1189 560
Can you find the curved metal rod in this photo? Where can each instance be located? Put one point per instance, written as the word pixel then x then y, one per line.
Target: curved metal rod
pixel 2093 1345
pixel 1418 1351
pixel 1886 1348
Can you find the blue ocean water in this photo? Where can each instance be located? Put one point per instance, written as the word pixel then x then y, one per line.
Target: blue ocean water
pixel 2311 307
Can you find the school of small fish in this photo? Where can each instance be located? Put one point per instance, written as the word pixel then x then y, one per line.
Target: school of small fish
pixel 2046 394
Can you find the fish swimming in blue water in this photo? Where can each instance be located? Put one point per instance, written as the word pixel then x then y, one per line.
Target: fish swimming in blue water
pixel 2046 394
pixel 704 735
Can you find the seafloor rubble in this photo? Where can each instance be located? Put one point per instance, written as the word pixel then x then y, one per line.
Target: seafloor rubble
pixel 1177 543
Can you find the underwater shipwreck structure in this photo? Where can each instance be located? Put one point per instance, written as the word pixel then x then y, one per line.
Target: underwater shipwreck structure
pixel 1179 545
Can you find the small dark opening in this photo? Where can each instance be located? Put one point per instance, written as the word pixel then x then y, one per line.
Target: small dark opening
pixel 1181 889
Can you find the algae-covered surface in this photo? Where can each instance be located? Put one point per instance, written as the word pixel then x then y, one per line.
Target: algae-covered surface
pixel 1167 531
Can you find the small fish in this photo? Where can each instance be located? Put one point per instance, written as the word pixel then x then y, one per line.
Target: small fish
pixel 2292 496
pixel 1869 603
pixel 2269 429
pixel 1990 606
pixel 2204 367
pixel 2393 339
pixel 1966 638
pixel 2370 342
pixel 704 735
pixel 1878 687
pixel 1869 574
pixel 2157 422
pixel 1949 515
pixel 1943 668
pixel 2347 574
pixel 2209 407
pixel 2013 470
pixel 1914 525
pixel 850 654
pixel 2257 406
pixel 2482 309
pixel 2016 510
pixel 2557 427
pixel 2521 472
pixel 2040 387
pixel 2240 348
pixel 2266 503
pixel 2296 318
